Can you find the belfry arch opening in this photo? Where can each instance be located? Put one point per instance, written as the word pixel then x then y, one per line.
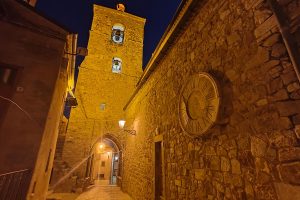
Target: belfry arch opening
pixel 117 34
pixel 104 165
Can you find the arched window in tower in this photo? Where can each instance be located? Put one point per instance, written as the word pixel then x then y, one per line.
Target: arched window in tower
pixel 116 65
pixel 117 35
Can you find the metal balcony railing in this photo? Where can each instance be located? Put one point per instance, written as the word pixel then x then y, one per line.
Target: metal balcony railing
pixel 14 185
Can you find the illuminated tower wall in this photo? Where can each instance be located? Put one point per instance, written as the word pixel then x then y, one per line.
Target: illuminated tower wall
pixel 107 79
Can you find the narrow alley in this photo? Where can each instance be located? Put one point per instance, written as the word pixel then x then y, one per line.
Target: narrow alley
pixel 100 192
pixel 96 192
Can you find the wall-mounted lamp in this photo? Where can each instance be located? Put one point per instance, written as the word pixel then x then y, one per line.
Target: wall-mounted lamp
pixel 101 146
pixel 122 124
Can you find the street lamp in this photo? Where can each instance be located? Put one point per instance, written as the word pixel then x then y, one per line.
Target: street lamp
pixel 122 125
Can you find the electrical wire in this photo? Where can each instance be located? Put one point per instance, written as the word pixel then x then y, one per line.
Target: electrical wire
pixel 20 108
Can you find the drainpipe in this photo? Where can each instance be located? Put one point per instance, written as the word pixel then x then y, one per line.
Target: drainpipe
pixel 289 41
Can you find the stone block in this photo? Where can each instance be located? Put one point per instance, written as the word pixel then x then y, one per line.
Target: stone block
pixel 261 16
pixel 275 70
pixel 290 172
pixel 285 123
pixel 297 131
pixel 288 108
pixel 275 85
pixel 293 87
pixel 287 65
pixel 221 151
pixel 265 27
pixel 296 119
pixel 251 4
pixel 225 164
pixel 295 95
pixel 289 154
pixel 270 41
pixel 233 39
pixel 200 174
pixel 280 95
pixel 263 178
pixel 235 166
pixel 288 77
pixel 270 64
pixel 209 150
pixel 233 179
pixel 258 147
pixel 262 55
pixel 262 102
pixel 287 191
pixel 283 139
pixel 178 183
pixel 215 163
pixel 232 153
pixel 232 75
pixel 278 50
pixel 249 190
pixel 229 144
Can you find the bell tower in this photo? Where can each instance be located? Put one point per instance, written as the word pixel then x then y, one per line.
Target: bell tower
pixel 107 78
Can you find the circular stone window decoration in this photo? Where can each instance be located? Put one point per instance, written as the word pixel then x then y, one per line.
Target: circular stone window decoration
pixel 199 104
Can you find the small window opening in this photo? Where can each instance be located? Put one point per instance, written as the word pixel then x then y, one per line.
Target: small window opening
pixel 7 75
pixel 101 176
pixel 116 65
pixel 103 164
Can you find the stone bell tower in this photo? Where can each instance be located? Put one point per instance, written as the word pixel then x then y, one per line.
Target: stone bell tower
pixel 107 78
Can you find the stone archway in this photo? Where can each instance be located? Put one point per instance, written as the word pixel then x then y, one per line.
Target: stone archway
pixel 113 145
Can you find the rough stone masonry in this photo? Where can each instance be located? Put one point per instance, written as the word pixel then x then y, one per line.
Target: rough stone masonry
pixel 253 151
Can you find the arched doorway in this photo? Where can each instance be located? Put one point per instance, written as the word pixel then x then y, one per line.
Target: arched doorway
pixel 104 165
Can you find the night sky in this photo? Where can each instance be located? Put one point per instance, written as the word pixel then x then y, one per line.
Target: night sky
pixel 76 15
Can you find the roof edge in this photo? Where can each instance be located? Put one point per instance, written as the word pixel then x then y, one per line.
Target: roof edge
pixel 33 9
pixel 182 14
pixel 141 19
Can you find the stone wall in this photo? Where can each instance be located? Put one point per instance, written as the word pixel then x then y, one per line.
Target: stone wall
pixel 253 150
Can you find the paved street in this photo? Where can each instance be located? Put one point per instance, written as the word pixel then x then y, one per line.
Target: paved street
pixel 103 193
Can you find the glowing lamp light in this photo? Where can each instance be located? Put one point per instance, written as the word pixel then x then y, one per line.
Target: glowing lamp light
pixel 122 123
pixel 101 146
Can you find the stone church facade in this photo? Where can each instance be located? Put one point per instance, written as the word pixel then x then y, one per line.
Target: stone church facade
pixel 252 149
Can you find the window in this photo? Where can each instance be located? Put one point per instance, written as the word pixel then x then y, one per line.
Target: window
pixel 116 65
pixel 7 75
pixel 103 164
pixel 117 35
pixel 101 176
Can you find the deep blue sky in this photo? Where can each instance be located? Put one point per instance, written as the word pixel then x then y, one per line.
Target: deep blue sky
pixel 76 15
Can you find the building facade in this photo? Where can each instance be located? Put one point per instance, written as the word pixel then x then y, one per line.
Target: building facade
pixel 251 150
pixel 107 78
pixel 36 71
